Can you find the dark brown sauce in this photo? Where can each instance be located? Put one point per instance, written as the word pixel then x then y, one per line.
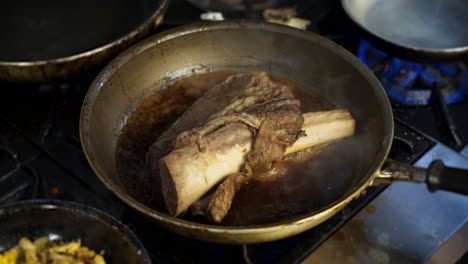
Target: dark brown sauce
pixel 302 187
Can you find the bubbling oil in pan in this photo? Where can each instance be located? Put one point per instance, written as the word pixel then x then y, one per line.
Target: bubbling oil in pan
pixel 300 187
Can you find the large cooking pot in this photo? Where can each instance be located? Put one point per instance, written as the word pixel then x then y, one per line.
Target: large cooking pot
pixel 51 41
pixel 311 61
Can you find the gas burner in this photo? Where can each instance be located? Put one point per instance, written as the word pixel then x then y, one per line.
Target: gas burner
pixel 410 82
pixel 17 181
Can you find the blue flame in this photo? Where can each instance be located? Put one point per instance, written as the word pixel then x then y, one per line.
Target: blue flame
pixel 399 77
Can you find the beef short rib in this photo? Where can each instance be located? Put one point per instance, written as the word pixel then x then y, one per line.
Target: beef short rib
pixel 267 107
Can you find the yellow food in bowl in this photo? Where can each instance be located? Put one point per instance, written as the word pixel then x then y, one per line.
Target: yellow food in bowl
pixel 44 251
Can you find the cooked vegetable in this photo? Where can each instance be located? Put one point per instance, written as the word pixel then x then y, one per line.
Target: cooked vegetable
pixel 9 257
pixel 44 251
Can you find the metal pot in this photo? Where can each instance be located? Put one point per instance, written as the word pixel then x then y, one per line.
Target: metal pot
pixel 311 61
pixel 57 40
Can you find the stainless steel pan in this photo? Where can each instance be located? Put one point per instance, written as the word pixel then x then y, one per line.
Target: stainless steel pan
pixel 53 40
pixel 424 30
pixel 313 62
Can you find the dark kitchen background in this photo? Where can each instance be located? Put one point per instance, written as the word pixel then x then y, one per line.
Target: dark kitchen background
pixel 41 156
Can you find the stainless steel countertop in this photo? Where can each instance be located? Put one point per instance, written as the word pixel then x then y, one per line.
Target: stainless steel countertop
pixel 405 224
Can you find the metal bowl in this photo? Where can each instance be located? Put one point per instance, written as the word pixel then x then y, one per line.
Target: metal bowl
pixel 67 221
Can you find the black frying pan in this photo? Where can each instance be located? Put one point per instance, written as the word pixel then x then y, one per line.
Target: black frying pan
pixel 66 221
pixel 423 30
pixel 49 40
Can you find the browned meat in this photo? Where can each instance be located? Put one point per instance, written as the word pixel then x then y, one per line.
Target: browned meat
pixel 212 102
pixel 279 129
pixel 267 107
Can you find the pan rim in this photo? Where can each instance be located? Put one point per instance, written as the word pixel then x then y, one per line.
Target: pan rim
pixel 91 52
pixel 151 41
pixel 454 50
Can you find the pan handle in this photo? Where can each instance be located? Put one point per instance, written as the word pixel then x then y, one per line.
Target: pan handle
pixel 437 176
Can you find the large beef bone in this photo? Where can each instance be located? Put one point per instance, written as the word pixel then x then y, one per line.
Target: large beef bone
pixel 187 173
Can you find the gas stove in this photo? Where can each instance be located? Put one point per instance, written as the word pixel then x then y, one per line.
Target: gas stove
pixel 41 157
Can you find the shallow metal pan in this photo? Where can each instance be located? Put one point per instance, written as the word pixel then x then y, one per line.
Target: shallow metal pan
pixel 53 40
pixel 313 62
pixel 421 30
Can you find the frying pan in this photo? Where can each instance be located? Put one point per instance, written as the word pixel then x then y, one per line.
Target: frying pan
pixel 67 221
pixel 52 40
pixel 421 30
pixel 311 61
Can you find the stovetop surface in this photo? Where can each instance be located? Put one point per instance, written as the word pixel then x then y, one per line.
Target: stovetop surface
pixel 41 157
